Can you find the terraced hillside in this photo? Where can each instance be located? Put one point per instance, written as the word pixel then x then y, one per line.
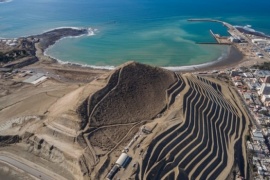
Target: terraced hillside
pixel 207 143
pixel 194 126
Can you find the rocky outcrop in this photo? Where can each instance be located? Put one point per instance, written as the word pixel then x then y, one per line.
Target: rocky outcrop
pixel 49 38
pixel 8 140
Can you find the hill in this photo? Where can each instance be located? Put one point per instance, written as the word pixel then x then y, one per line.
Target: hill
pixel 172 126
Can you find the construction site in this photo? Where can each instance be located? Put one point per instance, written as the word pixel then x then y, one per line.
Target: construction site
pixel 135 122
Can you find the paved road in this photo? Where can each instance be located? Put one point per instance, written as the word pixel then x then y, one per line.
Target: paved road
pixel 30 170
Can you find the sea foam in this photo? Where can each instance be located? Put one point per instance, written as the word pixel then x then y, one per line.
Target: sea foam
pixel 7 1
pixel 91 32
pixel 249 29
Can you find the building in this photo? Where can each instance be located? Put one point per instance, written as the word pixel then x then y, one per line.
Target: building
pixel 252 83
pixel 265 98
pixel 257 102
pixel 267 103
pixel 267 49
pixel 253 86
pixel 235 39
pixel 265 89
pixel 267 79
pixel 263 110
pixel 112 172
pixel 256 135
pixel 257 148
pixel 247 96
pixel 238 84
pixel 260 41
pixel 237 78
pixel 249 146
pixel 122 160
pixel 36 79
pixel 248 75
pixel 266 131
pixel 235 73
pixel 261 73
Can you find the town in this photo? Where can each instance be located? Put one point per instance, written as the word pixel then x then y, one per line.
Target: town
pixel 254 87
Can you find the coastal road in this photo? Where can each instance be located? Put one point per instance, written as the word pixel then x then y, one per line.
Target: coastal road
pixel 26 168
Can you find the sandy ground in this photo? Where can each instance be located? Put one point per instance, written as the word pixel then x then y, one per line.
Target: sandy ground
pixel 55 102
pixel 12 173
pixel 169 119
pixel 24 106
pixel 32 100
pixel 56 123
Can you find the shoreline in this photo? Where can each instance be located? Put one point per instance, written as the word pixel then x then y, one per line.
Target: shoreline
pixel 46 40
pixel 234 56
pixel 51 37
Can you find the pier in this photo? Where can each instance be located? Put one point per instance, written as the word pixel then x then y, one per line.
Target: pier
pixel 214 35
pixel 229 26
pixel 207 20
pixel 236 38
pixel 220 40
pixel 213 43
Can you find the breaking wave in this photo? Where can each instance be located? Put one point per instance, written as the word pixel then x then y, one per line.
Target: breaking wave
pixel 248 29
pixel 5 1
pixel 223 56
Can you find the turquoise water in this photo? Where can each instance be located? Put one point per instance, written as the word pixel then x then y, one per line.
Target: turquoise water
pixel 153 32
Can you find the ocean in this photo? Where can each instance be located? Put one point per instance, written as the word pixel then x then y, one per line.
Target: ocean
pixel 152 32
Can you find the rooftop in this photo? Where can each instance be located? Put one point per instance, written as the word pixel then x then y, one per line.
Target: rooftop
pixel 34 78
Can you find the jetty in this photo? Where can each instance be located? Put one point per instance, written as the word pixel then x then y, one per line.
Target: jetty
pixel 236 38
pixel 220 40
pixel 229 26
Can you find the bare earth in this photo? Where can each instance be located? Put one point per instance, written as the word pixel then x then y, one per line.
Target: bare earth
pixel 77 128
pixel 78 122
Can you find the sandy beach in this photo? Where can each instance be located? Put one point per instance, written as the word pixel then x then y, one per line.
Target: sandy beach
pixel 233 58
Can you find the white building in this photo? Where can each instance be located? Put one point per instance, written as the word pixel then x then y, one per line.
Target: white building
pixel 235 39
pixel 260 41
pixel 122 160
pixel 36 79
pixel 248 75
pixel 238 84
